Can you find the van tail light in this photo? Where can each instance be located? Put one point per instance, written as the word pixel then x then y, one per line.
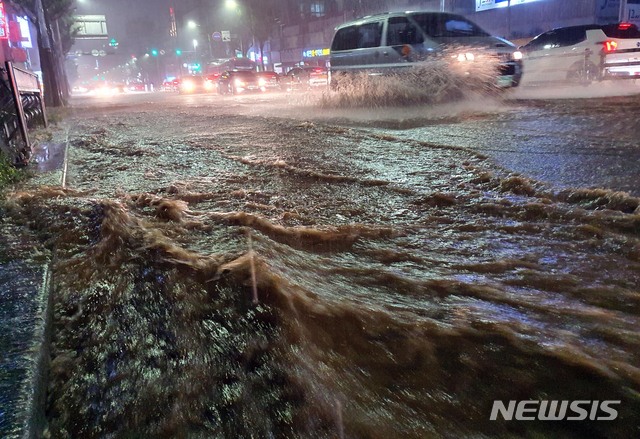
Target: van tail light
pixel 610 46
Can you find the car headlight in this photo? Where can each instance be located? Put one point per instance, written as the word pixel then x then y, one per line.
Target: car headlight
pixel 208 85
pixel 262 82
pixel 188 86
pixel 466 57
pixel 517 55
pixel 239 82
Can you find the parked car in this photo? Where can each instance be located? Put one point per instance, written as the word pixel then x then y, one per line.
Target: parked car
pixel 583 54
pixel 195 84
pixel 386 43
pixel 238 81
pixel 268 80
pixel 305 78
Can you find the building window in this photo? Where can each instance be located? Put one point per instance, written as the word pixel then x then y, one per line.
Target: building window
pixel 317 9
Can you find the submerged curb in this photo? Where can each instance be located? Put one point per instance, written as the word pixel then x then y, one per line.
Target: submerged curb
pixel 27 334
pixel 35 390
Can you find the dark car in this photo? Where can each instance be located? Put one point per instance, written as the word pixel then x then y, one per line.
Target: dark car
pixel 238 81
pixel 305 78
pixel 268 80
pixel 195 84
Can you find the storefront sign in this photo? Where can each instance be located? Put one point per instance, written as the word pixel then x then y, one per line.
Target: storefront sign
pixel 314 53
pixel 4 28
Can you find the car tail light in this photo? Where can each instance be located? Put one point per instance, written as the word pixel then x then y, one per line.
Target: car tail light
pixel 624 26
pixel 610 46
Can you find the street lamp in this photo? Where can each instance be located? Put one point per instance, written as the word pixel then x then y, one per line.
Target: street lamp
pixel 231 4
pixel 192 24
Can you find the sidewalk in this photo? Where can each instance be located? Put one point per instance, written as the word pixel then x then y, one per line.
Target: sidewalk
pixel 25 317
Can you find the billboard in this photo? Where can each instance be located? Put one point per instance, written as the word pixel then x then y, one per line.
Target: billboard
pixel 483 5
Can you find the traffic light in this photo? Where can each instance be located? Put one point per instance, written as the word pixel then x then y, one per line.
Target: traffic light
pixel 178 52
pixel 154 52
pixel 113 42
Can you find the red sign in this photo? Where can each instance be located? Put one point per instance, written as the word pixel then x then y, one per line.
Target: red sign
pixel 4 29
pixel 14 32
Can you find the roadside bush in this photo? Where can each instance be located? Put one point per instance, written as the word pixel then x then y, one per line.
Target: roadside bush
pixel 8 174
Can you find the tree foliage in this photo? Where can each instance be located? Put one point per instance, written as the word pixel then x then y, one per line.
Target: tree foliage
pixel 57 26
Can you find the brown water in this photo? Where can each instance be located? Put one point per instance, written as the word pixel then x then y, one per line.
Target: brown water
pixel 228 275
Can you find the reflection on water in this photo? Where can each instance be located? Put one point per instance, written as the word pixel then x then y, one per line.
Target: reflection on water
pixel 397 297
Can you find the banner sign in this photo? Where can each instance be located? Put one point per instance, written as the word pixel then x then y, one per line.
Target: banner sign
pixel 483 5
pixel 4 28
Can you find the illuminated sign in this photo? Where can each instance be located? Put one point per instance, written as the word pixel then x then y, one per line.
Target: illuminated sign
pixel 313 53
pixel 483 5
pixel 4 28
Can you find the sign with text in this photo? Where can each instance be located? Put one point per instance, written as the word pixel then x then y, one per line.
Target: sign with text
pixel 483 5
pixel 607 11
pixel 632 12
pixel 4 27
pixel 91 27
pixel 314 53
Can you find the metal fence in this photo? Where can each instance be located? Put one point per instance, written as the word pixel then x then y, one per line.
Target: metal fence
pixel 21 108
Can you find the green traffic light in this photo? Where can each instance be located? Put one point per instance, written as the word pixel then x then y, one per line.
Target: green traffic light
pixel 154 52
pixel 178 52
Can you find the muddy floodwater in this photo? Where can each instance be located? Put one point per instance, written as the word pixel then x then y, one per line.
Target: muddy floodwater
pixel 231 270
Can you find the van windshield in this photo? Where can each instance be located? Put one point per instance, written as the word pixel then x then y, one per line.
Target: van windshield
pixel 447 25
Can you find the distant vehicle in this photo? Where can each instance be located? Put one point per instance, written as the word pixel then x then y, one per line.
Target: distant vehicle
pixel 238 81
pixel 195 84
pixel 106 88
pixel 387 43
pixel 268 80
pixel 306 78
pixel 583 54
pixel 232 64
pixel 135 86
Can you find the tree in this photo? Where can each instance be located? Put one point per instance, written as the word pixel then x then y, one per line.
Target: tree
pixel 261 16
pixel 53 20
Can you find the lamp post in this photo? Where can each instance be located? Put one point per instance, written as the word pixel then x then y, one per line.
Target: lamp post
pixel 192 25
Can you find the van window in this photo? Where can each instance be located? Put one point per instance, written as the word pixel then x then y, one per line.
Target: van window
pixel 547 40
pixel 370 34
pixel 401 31
pixel 345 39
pixel 447 25
pixel 358 37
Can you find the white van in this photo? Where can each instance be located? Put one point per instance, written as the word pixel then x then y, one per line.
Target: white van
pixel 384 43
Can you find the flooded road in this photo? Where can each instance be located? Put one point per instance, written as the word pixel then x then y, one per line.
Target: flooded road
pixel 262 267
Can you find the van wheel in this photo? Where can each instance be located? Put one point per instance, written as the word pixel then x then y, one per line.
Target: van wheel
pixel 583 73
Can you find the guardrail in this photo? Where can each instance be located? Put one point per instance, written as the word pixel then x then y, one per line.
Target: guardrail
pixel 21 108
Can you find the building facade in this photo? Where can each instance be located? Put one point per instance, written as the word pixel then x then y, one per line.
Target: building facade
pixel 18 42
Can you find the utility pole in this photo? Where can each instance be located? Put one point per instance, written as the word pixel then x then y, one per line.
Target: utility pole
pixel 508 19
pixel 623 11
pixel 442 5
